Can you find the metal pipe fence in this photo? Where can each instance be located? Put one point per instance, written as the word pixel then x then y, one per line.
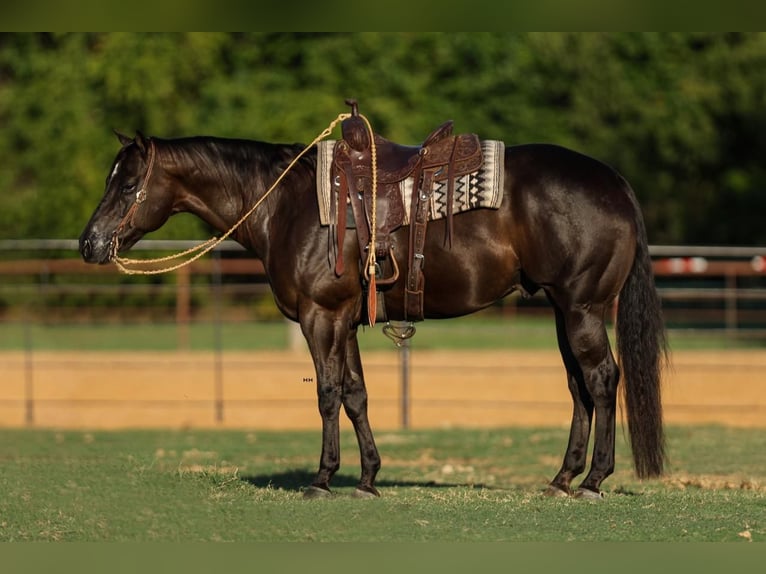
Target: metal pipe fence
pixel 46 292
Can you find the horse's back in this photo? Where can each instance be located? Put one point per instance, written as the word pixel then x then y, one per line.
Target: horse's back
pixel 565 180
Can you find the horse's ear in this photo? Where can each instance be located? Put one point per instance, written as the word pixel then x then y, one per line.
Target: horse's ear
pixel 124 140
pixel 141 142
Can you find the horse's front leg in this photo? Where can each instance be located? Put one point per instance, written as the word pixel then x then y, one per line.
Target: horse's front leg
pixel 355 405
pixel 327 335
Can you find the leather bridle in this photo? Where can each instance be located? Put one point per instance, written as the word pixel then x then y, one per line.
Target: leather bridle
pixel 114 244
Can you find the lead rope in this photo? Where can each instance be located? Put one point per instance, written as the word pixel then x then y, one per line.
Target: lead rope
pixel 124 264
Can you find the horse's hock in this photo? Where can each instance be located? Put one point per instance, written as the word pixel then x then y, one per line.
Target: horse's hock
pixel 276 390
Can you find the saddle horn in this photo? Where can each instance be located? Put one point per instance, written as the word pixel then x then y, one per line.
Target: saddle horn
pixel 354 106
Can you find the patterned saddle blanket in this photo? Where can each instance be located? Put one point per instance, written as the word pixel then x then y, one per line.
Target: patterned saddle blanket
pixel 481 189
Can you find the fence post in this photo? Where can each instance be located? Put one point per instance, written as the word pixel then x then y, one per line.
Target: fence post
pixel 404 364
pixel 29 377
pixel 217 338
pixel 295 340
pixel 731 302
pixel 183 307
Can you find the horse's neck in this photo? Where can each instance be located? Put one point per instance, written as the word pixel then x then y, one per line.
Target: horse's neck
pixel 213 204
pixel 222 180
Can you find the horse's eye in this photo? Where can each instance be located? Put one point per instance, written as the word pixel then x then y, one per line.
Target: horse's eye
pixel 128 187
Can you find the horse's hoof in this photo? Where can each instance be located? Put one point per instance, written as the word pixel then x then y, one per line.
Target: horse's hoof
pixel 367 492
pixel 555 492
pixel 588 494
pixel 314 492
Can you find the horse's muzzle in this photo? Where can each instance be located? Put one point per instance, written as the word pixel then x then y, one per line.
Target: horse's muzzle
pixel 94 249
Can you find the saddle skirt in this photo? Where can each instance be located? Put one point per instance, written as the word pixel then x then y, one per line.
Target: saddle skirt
pixel 480 189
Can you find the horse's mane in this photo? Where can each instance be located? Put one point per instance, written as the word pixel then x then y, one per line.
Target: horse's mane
pixel 239 162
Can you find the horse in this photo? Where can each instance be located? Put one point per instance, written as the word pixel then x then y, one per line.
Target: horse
pixel 568 224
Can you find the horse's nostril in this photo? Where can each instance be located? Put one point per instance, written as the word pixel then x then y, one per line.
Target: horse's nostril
pixel 86 249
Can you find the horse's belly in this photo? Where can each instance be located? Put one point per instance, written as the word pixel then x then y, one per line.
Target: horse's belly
pixel 458 286
pixel 464 293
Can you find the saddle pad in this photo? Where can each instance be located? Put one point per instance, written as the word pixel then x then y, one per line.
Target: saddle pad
pixel 483 188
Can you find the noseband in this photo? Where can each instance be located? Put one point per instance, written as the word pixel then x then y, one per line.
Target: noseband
pixel 114 244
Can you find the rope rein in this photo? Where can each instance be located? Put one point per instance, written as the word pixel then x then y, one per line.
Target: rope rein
pixel 369 272
pixel 128 266
pixel 370 265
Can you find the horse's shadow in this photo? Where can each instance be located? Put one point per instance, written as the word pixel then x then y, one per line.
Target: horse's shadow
pixel 299 479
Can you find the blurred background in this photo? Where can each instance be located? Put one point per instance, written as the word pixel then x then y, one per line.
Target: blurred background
pixel 681 115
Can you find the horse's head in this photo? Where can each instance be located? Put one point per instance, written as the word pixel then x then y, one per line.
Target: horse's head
pixel 137 200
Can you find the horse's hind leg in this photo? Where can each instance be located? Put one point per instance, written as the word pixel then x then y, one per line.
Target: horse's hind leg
pixel 355 404
pixel 601 375
pixel 582 415
pixel 593 378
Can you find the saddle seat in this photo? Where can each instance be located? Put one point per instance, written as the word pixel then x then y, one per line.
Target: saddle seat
pixel 396 162
pixel 442 156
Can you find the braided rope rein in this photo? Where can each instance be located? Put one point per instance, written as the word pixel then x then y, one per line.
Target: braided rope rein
pixel 127 265
pixel 369 271
pixel 370 264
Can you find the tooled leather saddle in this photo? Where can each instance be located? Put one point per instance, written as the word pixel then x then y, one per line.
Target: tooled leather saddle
pixel 443 156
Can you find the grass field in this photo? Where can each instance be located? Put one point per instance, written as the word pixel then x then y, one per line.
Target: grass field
pixel 473 332
pixel 460 333
pixel 452 485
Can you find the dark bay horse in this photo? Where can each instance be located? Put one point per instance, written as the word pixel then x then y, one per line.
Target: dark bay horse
pixel 568 224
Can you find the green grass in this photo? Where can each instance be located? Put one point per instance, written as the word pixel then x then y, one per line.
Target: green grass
pixel 476 332
pixel 452 334
pixel 452 485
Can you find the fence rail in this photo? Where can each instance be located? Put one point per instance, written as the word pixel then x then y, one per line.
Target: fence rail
pixel 722 286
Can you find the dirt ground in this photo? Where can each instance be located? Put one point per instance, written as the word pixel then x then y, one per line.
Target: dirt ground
pixel 276 390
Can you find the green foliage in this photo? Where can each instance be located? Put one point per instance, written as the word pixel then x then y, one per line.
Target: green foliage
pixel 681 115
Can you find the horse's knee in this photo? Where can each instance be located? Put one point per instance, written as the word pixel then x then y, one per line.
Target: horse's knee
pixel 329 397
pixel 355 401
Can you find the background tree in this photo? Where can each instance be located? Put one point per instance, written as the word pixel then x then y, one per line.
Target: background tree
pixel 682 115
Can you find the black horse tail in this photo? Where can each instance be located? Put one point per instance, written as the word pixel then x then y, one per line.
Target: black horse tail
pixel 643 352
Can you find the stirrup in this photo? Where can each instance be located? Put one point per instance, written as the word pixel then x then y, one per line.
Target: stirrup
pixel 379 279
pixel 399 331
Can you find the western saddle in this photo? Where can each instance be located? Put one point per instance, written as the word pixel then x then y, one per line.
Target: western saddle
pixel 442 157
